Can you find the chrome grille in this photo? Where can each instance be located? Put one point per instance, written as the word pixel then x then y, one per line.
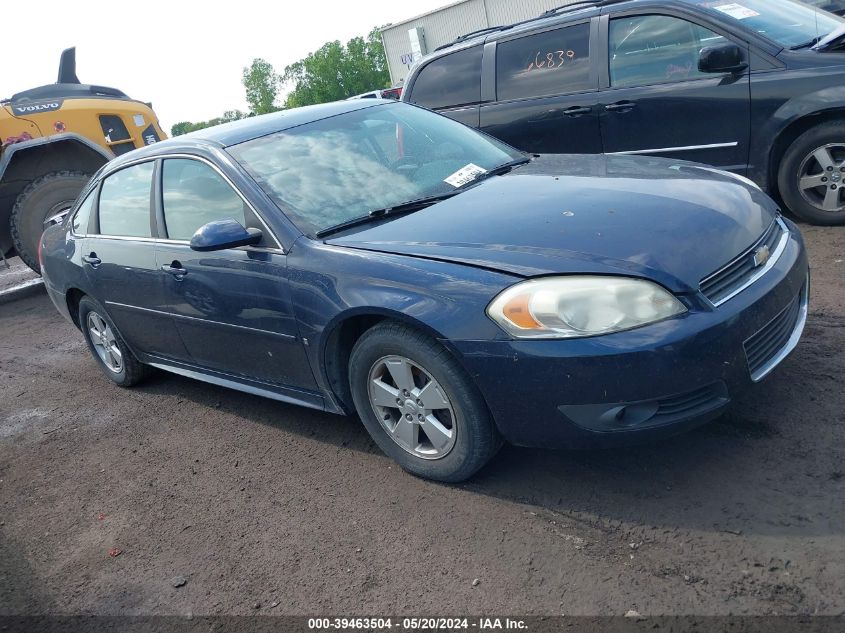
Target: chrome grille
pixel 771 344
pixel 745 269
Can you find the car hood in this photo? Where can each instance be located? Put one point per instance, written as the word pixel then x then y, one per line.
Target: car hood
pixel 672 221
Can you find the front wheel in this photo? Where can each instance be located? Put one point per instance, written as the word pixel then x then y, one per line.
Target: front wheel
pixel 44 202
pixel 811 177
pixel 419 405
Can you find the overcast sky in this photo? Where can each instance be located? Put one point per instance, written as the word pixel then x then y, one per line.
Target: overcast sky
pixel 184 56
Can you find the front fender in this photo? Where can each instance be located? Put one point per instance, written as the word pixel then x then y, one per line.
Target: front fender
pixel 446 300
pixel 16 148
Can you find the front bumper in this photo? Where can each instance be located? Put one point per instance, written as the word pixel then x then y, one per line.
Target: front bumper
pixel 659 379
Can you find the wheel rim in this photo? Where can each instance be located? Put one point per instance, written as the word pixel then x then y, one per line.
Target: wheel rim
pixel 822 176
pixel 105 343
pixel 412 407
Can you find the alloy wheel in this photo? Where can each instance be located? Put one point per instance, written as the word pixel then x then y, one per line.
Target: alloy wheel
pixel 822 176
pixel 105 342
pixel 412 407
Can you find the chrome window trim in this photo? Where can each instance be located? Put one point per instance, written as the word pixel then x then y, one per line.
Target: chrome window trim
pixel 776 255
pixel 211 164
pixel 257 249
pixel 662 150
pixel 786 350
pixel 122 238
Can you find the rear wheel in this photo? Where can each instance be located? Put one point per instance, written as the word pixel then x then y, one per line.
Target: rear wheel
pixel 107 346
pixel 419 405
pixel 811 177
pixel 45 202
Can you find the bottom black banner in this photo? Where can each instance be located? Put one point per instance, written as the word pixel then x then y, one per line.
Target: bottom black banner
pixel 531 624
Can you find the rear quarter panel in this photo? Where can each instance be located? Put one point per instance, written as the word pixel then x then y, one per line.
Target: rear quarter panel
pixel 62 267
pixel 779 98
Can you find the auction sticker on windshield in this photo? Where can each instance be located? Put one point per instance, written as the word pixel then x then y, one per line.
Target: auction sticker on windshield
pixel 737 11
pixel 465 175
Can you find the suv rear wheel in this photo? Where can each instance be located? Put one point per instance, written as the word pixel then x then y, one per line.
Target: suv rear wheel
pixel 811 177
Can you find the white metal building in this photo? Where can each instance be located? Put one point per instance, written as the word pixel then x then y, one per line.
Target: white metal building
pixel 411 39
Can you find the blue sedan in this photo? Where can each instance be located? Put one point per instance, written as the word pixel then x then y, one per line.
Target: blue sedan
pixel 375 258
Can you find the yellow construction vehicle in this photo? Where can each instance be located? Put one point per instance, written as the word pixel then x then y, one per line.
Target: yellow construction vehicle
pixel 53 139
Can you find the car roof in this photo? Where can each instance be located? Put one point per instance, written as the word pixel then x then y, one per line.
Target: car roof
pixel 236 132
pixel 568 13
pixel 565 13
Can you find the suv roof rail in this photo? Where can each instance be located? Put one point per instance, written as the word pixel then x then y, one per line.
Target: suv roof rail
pixel 580 4
pixel 572 6
pixel 471 34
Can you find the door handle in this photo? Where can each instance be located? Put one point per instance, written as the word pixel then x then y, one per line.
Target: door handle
pixel 622 106
pixel 175 268
pixel 576 111
pixel 92 259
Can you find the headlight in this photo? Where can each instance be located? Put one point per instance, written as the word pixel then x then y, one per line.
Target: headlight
pixel 578 306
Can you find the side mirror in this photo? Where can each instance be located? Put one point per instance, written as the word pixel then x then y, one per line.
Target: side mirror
pixel 724 58
pixel 223 234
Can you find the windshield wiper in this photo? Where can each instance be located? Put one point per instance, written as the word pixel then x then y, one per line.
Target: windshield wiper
pixel 498 171
pixel 416 205
pixel 379 214
pixel 812 42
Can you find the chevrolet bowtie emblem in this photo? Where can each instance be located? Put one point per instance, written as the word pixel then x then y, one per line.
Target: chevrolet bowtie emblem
pixel 761 256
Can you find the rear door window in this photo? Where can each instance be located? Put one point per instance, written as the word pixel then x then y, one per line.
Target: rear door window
pixel 124 208
pixel 542 64
pixel 451 80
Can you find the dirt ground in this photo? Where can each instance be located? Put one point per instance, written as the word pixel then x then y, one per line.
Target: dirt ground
pixel 265 508
pixel 14 272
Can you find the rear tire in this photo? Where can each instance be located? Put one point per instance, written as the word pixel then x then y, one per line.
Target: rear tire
pixel 107 347
pixel 39 205
pixel 419 405
pixel 817 157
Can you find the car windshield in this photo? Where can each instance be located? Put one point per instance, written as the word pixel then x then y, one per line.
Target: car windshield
pixel 329 172
pixel 790 23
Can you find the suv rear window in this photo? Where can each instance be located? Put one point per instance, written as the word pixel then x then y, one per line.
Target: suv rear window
pixel 451 80
pixel 547 63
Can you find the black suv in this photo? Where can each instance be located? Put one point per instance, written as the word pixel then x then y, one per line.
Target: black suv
pixel 756 87
pixel 834 6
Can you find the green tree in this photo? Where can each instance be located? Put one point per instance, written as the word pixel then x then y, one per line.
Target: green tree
pixel 337 72
pixel 186 126
pixel 178 129
pixel 262 86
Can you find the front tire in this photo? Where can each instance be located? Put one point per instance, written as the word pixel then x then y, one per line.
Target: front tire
pixel 107 346
pixel 811 177
pixel 419 405
pixel 44 202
